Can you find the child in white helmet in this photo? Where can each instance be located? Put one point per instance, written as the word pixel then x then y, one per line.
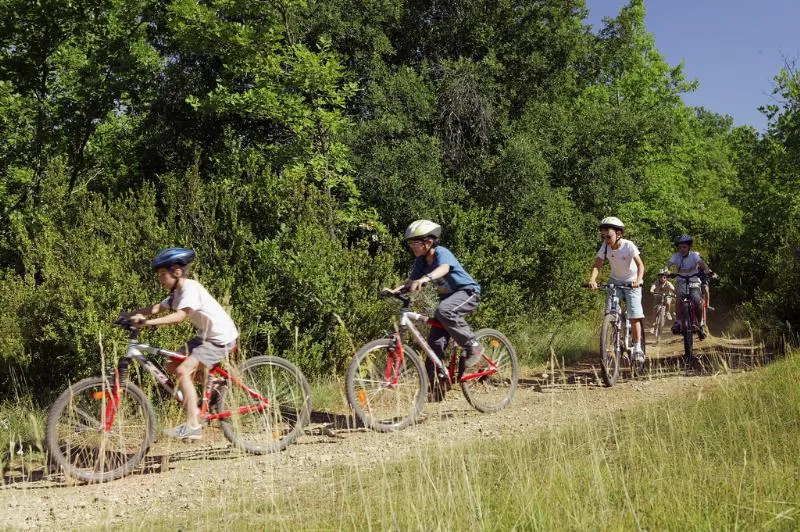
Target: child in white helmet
pixel 459 294
pixel 626 267
pixel 663 286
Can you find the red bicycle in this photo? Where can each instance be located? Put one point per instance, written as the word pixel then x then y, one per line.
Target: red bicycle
pixel 387 383
pixel 100 428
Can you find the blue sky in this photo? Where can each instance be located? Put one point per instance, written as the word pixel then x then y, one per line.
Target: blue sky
pixel 734 48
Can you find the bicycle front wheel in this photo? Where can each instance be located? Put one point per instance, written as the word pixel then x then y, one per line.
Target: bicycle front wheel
pixel 688 335
pixel 659 323
pixel 386 392
pixel 79 440
pixel 610 347
pixel 490 393
pixel 269 402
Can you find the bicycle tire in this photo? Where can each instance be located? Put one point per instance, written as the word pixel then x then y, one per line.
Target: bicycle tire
pixel 378 406
pixel 610 350
pixel 660 319
pixel 639 370
pixel 492 393
pixel 289 410
pixel 688 336
pixel 77 446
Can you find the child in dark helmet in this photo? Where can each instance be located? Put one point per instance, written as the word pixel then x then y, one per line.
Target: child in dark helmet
pixel 215 337
pixel 689 263
pixel 459 294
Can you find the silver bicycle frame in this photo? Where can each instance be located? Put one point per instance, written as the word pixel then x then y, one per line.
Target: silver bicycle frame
pixel 136 352
pixel 406 322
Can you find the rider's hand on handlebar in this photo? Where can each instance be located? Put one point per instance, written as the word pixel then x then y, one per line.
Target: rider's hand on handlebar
pixel 416 285
pixel 636 283
pixel 592 285
pixel 138 321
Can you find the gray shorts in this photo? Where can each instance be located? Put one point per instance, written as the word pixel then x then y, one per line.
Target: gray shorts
pixel 205 352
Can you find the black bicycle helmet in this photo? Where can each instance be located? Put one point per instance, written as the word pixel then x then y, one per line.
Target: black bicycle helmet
pixel 684 239
pixel 173 256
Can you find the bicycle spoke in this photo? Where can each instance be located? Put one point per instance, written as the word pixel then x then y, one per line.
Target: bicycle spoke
pixel 385 403
pixel 492 392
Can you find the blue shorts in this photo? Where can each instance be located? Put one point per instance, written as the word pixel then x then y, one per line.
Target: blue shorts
pixel 633 300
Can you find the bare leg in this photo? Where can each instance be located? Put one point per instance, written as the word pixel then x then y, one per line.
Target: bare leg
pixel 636 330
pixel 185 373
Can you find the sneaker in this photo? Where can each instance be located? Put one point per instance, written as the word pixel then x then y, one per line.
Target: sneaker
pixel 669 316
pixel 653 329
pixel 474 355
pixel 183 432
pixel 638 355
pixel 676 327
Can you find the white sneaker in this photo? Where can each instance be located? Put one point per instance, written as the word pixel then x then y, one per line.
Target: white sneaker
pixel 638 355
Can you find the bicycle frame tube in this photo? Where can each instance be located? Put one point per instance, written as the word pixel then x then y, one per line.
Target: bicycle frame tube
pixel 407 323
pixel 136 352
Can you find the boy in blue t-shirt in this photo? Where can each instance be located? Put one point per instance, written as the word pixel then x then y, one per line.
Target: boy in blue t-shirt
pixel 459 294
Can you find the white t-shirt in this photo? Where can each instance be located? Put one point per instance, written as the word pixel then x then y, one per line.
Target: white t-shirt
pixel 623 267
pixel 688 265
pixel 210 320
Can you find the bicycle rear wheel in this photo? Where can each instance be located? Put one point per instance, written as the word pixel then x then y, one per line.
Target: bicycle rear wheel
pixel 610 349
pixel 270 424
pixel 490 393
pixel 385 393
pixel 77 441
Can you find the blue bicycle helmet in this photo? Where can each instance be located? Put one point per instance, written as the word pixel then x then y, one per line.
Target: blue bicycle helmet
pixel 684 239
pixel 171 256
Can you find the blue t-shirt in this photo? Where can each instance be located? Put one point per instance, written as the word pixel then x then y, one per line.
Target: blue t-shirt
pixel 456 279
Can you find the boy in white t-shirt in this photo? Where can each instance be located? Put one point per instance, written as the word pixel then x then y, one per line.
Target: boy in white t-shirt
pixel 690 264
pixel 216 334
pixel 626 267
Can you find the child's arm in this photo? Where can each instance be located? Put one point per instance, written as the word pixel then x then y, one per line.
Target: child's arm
pixel 440 271
pixel 170 319
pixel 639 271
pixel 598 263
pixel 142 313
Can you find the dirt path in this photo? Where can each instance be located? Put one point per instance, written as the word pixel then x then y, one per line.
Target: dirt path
pixel 168 481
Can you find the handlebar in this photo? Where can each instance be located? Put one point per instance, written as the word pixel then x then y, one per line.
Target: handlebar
pixel 401 294
pixel 608 285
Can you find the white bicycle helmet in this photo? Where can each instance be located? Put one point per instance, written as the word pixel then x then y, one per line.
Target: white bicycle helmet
pixel 612 222
pixel 423 229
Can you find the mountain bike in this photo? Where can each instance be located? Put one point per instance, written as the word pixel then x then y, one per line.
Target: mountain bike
pixel 689 325
pixel 387 383
pixel 100 428
pixel 661 314
pixel 616 345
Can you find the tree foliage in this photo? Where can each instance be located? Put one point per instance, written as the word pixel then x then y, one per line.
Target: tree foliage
pixel 291 142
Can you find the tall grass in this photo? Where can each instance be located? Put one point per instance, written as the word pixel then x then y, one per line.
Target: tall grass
pixel 725 457
pixel 21 436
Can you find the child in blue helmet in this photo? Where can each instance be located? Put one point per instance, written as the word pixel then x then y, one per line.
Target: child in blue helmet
pixel 215 337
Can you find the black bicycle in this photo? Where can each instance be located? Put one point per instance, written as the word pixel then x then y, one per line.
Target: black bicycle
pixel 688 322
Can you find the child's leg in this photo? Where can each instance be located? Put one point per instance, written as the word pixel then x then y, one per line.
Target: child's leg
pixel 451 311
pixel 185 373
pixel 437 339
